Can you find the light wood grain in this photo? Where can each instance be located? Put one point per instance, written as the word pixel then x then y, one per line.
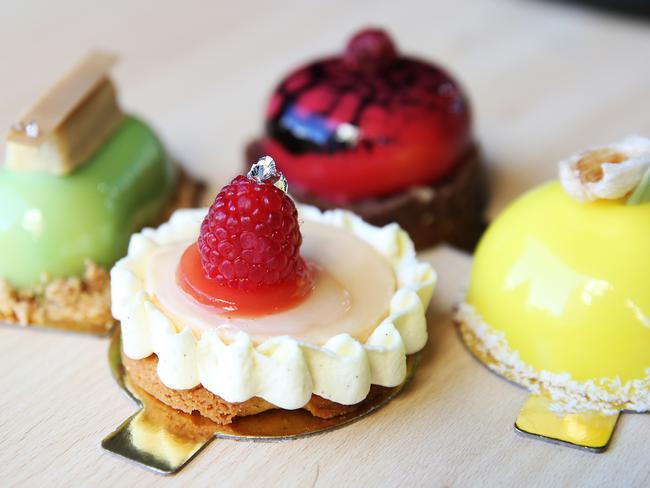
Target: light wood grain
pixel 545 80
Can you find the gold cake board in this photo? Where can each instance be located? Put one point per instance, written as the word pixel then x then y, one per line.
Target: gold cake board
pixel 164 439
pixel 590 431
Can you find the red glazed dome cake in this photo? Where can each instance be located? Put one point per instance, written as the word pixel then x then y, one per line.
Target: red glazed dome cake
pixel 383 135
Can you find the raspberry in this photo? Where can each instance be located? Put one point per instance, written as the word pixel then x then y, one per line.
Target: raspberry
pixel 370 50
pixel 250 237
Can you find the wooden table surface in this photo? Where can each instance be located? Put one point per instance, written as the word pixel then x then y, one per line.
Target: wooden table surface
pixel 545 80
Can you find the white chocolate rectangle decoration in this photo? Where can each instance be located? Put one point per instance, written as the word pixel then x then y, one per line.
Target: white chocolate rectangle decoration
pixel 69 123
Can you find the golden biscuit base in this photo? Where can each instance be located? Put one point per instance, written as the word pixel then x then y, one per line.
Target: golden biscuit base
pixel 142 373
pixel 81 304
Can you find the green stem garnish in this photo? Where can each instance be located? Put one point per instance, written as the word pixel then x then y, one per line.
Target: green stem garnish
pixel 641 193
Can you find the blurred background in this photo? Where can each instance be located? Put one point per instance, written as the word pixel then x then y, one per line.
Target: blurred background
pixel 545 78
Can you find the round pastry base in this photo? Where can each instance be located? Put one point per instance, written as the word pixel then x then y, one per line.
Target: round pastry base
pixel 164 439
pixel 590 430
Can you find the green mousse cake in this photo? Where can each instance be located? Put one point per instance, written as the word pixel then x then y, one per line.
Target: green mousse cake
pixel 79 177
pixel 52 224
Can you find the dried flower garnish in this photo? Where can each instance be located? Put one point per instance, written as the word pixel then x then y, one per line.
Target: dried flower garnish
pixel 609 172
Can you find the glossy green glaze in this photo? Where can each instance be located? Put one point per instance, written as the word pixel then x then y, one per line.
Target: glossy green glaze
pixel 52 224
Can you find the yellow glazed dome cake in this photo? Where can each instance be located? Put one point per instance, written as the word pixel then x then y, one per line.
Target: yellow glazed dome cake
pixel 559 300
pixel 255 305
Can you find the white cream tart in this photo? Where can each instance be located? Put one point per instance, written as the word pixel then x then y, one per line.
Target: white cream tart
pixel 366 313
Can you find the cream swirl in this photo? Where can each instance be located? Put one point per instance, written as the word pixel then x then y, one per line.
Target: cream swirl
pixel 282 370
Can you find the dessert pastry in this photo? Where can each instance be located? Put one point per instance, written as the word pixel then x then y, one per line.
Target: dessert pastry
pixel 383 135
pixel 558 300
pixel 79 177
pixel 236 310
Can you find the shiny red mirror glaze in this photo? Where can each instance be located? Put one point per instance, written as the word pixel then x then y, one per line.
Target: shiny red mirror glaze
pixel 345 129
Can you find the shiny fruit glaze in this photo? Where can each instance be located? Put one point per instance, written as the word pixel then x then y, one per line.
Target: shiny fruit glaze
pixel 368 123
pixel 192 279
